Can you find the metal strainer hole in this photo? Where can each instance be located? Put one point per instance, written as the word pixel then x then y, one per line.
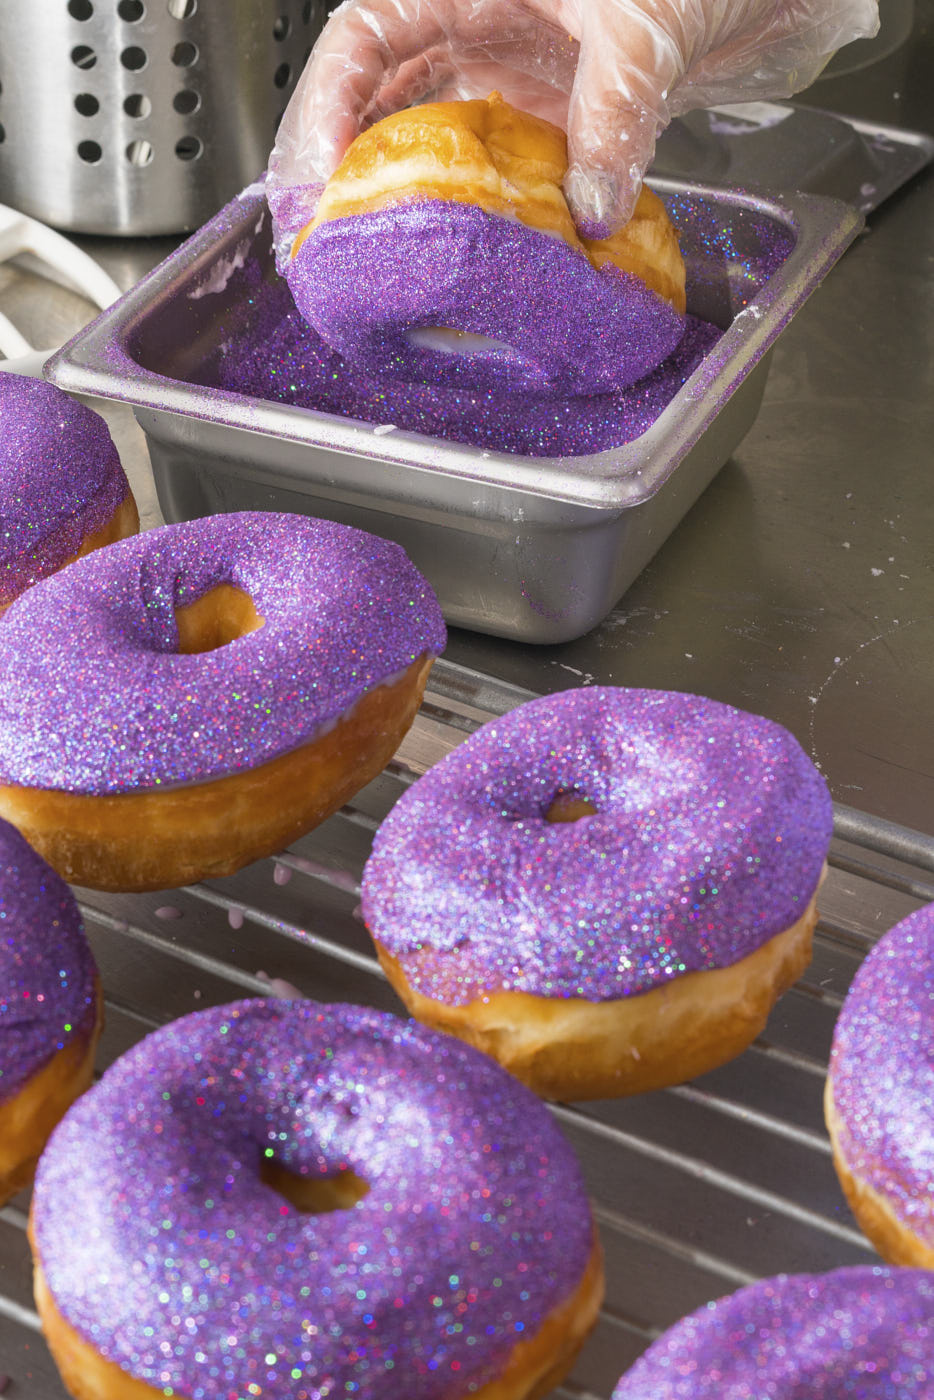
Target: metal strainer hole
pixel 184 55
pixel 89 151
pixel 282 75
pixel 306 12
pixel 133 58
pixel 281 28
pixel 186 102
pixel 139 153
pixel 83 57
pixel 80 9
pixel 131 10
pixel 188 148
pixel 182 9
pixel 87 104
pixel 2 134
pixel 137 105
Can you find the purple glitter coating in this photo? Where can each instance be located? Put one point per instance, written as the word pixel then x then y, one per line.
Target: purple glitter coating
pixel 47 973
pixel 60 479
pixel 853 1334
pixel 565 327
pixel 279 357
pixel 882 1072
pixel 168 1253
pixel 709 838
pixel 95 697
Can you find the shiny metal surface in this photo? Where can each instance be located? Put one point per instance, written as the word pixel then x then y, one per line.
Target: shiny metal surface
pixel 537 549
pixel 801 585
pixel 142 116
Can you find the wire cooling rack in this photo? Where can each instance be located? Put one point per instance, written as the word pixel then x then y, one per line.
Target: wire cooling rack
pixel 696 1189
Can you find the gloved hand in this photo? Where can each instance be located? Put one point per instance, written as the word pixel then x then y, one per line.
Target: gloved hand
pixel 612 72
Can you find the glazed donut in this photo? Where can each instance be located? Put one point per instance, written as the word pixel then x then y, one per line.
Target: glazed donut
pixel 606 890
pixel 861 1333
pixel 63 491
pixel 879 1092
pixel 188 700
pixel 50 1007
pixel 311 1201
pixel 447 222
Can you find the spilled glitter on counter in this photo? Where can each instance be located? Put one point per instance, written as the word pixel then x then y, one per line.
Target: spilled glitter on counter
pixel 710 835
pixel 167 1252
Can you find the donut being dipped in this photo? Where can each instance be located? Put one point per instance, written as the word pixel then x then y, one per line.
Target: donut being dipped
pixel 50 1007
pixel 862 1333
pixel 337 1202
pixel 879 1092
pixel 63 491
pixel 443 250
pixel 606 889
pixel 196 697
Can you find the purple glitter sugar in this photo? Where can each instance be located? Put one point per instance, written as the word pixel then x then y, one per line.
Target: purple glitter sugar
pixel 60 479
pixel 882 1072
pixel 709 838
pixel 563 327
pixel 166 1251
pixel 95 697
pixel 854 1334
pixel 47 973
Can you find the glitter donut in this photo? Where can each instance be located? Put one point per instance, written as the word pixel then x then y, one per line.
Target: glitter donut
pixel 443 251
pixel 605 889
pixel 854 1334
pixel 309 1201
pixel 190 699
pixel 50 1013
pixel 63 491
pixel 880 1088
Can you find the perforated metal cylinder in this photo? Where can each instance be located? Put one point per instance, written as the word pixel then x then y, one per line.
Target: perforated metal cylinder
pixel 142 116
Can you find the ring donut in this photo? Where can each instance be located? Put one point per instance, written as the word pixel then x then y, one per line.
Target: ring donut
pixel 332 1201
pixel 861 1333
pixel 63 491
pixel 188 700
pixel 443 250
pixel 880 1088
pixel 50 1007
pixel 606 889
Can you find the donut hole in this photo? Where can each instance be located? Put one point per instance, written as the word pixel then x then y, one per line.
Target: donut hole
pixel 314 1195
pixel 215 619
pixel 569 807
pixel 453 342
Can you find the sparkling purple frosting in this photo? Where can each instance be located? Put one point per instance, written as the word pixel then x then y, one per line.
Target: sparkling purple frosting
pixel 854 1334
pixel 563 327
pixel 47 973
pixel 709 838
pixel 95 697
pixel 165 1250
pixel 882 1072
pixel 60 479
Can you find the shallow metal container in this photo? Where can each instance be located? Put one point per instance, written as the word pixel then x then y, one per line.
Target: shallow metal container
pixel 534 548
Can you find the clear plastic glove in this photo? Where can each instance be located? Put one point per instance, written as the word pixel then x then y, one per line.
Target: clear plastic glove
pixel 611 72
